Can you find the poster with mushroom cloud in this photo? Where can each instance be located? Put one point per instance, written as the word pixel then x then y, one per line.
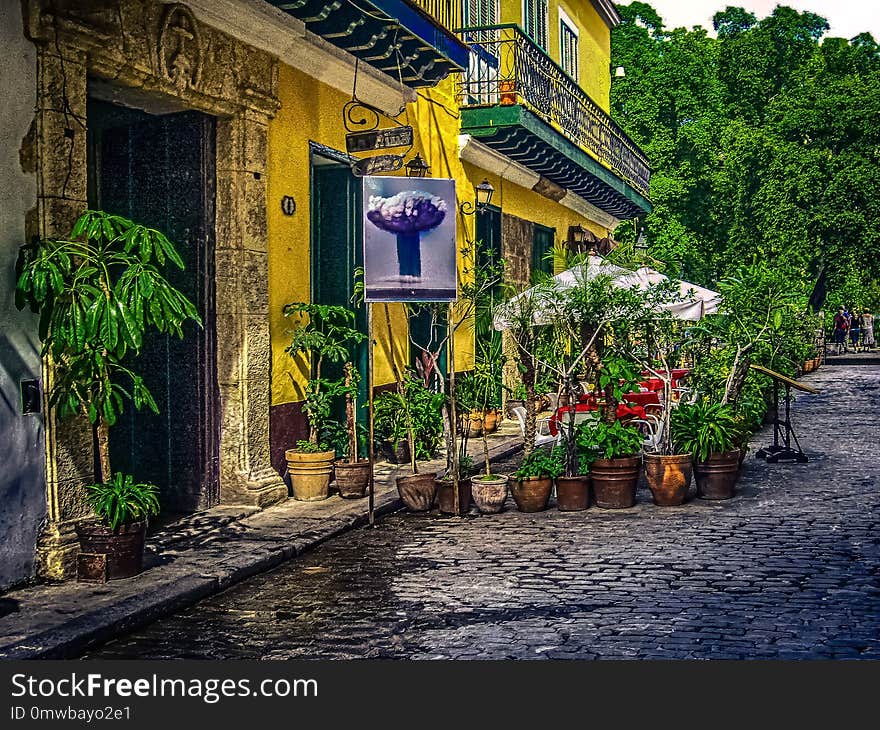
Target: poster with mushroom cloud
pixel 409 239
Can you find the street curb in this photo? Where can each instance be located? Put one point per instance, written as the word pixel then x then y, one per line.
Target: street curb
pixel 71 638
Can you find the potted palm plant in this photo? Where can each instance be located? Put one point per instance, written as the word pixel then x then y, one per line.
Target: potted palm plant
pixel 709 431
pixel 352 473
pixel 489 491
pixel 322 333
pixel 532 483
pixel 99 295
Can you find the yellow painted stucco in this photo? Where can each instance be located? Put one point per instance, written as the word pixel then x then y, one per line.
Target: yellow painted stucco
pixel 311 111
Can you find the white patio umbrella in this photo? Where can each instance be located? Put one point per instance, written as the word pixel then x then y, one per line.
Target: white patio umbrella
pixel 694 303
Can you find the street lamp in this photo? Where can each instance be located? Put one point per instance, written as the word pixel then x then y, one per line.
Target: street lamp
pixel 483 194
pixel 417 167
pixel 641 245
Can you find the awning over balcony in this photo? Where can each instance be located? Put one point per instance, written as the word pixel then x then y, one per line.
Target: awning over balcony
pixel 519 135
pixel 385 33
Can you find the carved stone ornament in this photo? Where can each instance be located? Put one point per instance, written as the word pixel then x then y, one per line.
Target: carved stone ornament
pixel 180 47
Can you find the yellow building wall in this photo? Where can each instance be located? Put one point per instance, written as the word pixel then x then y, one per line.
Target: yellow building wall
pixel 594 42
pixel 312 111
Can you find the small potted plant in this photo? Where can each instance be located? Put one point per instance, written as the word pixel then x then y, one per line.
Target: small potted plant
pixel 532 483
pixel 352 473
pixel 489 491
pixel 615 470
pixel 322 333
pixel 709 432
pixel 122 507
pixel 573 487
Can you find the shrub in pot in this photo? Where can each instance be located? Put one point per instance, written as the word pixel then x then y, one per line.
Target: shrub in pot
pixel 615 470
pixel 100 294
pixel 669 471
pixel 532 483
pixel 353 474
pixel 446 489
pixel 709 431
pixel 122 507
pixel 322 333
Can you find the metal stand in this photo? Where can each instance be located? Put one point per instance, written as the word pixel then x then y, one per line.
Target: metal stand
pixel 371 446
pixel 784 430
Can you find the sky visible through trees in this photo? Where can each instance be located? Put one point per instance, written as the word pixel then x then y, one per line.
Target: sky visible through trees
pixel 764 144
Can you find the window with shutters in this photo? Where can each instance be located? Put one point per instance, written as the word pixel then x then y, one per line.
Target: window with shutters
pixel 535 21
pixel 479 13
pixel 568 45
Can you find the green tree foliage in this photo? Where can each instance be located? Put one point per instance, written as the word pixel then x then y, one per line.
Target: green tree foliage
pixel 764 146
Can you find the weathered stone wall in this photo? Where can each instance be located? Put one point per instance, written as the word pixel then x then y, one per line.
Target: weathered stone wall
pixel 517 241
pixel 159 57
pixel 22 484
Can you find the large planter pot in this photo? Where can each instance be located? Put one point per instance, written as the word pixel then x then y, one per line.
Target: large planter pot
pixel 310 474
pixel 717 476
pixel 489 494
pixel 615 481
pixel 124 546
pixel 490 421
pixel 531 494
pixel 476 428
pixel 352 480
pixel 446 497
pixel 418 491
pixel 396 453
pixel 511 404
pixel 668 477
pixel 572 493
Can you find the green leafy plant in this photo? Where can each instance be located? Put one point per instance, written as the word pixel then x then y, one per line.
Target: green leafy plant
pixel 608 440
pixel 704 428
pixel 99 295
pixel 122 501
pixel 322 333
pixel 539 464
pixel 414 415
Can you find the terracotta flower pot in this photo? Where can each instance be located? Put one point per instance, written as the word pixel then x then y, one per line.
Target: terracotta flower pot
pixel 476 423
pixel 513 403
pixel 489 494
pixel 396 453
pixel 668 477
pixel 310 473
pixel 446 498
pixel 352 480
pixel 531 494
pixel 124 546
pixel 572 493
pixel 418 491
pixel 615 481
pixel 717 476
pixel 490 421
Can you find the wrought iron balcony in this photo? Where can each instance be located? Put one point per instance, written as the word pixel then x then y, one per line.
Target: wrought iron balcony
pixel 410 40
pixel 507 69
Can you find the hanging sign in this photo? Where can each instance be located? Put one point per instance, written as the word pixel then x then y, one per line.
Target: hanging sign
pixel 379 163
pixel 379 139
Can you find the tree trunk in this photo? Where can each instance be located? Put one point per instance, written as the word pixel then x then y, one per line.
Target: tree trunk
pixel 350 416
pixel 103 431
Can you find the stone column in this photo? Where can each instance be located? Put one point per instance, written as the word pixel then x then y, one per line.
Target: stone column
pixel 58 143
pixel 243 349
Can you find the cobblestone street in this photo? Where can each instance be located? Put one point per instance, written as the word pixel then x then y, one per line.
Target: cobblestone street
pixel 787 569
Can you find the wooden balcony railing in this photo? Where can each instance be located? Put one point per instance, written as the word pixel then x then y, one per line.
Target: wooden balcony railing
pixel 445 12
pixel 507 67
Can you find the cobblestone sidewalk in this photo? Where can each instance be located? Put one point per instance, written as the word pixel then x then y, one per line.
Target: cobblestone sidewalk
pixel 787 569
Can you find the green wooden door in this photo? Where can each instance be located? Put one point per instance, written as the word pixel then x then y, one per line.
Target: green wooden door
pixel 337 250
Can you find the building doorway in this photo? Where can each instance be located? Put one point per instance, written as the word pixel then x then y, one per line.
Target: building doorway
pixel 159 170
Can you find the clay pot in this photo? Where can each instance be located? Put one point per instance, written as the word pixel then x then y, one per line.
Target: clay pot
pixel 615 481
pixel 489 494
pixel 511 404
pixel 572 493
pixel 531 494
pixel 476 423
pixel 396 453
pixel 490 421
pixel 124 546
pixel 418 491
pixel 310 474
pixel 352 480
pixel 446 498
pixel 717 476
pixel 668 477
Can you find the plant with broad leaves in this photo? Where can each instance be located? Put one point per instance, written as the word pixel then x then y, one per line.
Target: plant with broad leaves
pixel 540 464
pixel 99 294
pixel 324 333
pixel 121 500
pixel 608 440
pixel 705 428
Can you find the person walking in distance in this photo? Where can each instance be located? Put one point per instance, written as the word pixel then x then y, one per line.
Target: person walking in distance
pixel 840 327
pixel 868 330
pixel 855 329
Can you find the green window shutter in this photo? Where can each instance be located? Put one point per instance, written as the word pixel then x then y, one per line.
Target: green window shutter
pixel 535 21
pixel 542 247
